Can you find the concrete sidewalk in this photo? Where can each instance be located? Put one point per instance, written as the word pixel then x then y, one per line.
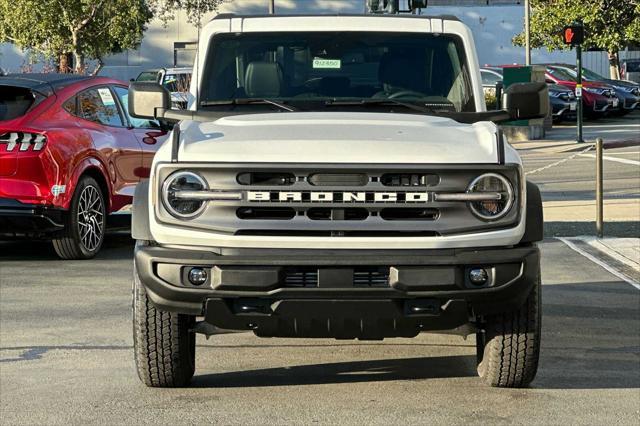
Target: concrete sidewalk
pixel 616 132
pixel 615 210
pixel 620 256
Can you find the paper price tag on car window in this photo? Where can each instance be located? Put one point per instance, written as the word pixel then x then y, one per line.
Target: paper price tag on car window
pixel 107 98
pixel 335 64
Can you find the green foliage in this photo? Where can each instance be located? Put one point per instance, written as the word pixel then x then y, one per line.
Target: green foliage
pixel 165 9
pixel 610 24
pixel 91 28
pixel 491 100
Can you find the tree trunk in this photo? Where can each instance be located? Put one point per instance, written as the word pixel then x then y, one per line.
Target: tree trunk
pixel 78 56
pixel 78 62
pixel 98 67
pixel 64 63
pixel 614 66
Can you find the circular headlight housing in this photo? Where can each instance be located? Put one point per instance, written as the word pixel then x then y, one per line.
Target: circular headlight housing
pixel 183 181
pixel 491 209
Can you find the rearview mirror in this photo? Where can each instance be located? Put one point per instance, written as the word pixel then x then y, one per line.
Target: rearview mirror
pixel 527 101
pixel 145 97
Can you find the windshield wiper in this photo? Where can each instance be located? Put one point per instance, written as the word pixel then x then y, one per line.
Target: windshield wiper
pixel 251 101
pixel 376 102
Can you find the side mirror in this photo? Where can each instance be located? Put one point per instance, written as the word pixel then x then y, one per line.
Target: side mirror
pixel 145 97
pixel 527 101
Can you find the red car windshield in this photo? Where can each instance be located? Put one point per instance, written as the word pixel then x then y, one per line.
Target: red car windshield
pixel 560 74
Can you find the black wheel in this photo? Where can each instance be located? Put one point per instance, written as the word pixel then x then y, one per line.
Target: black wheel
pixel 164 345
pixel 83 233
pixel 509 348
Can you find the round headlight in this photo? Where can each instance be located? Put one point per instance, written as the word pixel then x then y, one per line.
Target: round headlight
pixel 181 207
pixel 491 209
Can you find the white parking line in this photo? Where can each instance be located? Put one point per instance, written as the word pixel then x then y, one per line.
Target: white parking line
pixel 599 262
pixel 618 160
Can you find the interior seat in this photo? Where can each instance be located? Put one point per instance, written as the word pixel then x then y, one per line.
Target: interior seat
pixel 263 80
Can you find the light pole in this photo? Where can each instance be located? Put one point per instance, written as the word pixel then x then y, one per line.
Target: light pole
pixel 527 31
pixel 272 7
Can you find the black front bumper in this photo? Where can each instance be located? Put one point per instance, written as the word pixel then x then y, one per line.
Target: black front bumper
pixel 19 219
pixel 344 294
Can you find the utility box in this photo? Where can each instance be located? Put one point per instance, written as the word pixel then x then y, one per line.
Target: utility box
pixel 524 129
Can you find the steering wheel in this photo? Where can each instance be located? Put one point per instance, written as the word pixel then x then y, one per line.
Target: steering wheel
pixel 406 94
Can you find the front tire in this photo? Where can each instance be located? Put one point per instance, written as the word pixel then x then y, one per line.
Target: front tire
pixel 85 224
pixel 164 345
pixel 509 348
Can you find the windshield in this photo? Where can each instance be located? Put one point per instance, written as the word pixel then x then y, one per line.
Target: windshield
pixel 177 82
pixel 328 66
pixel 591 75
pixel 148 76
pixel 562 74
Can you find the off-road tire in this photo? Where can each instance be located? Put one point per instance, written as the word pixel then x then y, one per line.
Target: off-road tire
pixel 72 242
pixel 509 348
pixel 164 345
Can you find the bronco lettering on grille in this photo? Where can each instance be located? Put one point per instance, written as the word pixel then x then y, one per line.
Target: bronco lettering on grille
pixel 338 197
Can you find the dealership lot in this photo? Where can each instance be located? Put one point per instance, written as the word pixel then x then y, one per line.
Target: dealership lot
pixel 66 351
pixel 66 356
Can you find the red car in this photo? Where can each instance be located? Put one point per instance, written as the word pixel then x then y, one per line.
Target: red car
pixel 597 98
pixel 70 154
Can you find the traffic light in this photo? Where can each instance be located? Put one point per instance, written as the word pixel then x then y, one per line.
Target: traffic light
pixel 573 34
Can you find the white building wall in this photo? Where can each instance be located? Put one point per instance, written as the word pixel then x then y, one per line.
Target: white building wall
pixel 493 28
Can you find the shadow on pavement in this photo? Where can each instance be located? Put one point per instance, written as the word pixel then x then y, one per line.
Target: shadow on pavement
pixel 345 372
pixel 590 337
pixel 117 245
pixel 575 229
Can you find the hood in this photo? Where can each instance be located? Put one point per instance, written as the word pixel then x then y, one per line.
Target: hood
pixel 338 137
pixel 559 88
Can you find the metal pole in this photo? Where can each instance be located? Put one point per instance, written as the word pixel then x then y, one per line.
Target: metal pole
pixel 272 7
pixel 527 31
pixel 599 198
pixel 579 91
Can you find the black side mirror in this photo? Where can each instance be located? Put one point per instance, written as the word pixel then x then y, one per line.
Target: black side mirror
pixel 527 101
pixel 145 97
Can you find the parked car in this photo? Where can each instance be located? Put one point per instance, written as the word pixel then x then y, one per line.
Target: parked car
pixel 490 77
pixel 627 92
pixel 630 70
pixel 563 103
pixel 563 100
pixel 597 98
pixel 176 80
pixel 70 154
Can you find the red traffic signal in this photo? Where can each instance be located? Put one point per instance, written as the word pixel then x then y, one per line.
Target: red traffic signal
pixel 573 34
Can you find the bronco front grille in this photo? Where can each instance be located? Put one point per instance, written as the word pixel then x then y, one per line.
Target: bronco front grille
pixel 276 200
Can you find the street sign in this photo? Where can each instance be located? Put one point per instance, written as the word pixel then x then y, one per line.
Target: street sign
pixel 573 34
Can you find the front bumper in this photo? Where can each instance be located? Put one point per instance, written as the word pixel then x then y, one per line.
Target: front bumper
pixel 19 219
pixel 343 294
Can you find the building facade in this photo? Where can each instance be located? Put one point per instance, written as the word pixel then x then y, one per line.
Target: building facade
pixel 494 24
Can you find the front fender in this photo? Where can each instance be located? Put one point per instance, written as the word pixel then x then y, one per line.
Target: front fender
pixel 140 213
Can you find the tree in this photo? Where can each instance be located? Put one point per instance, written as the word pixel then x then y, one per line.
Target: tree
pixel 610 25
pixel 165 9
pixel 82 28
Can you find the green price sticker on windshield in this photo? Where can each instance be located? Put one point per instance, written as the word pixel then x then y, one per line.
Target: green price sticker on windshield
pixel 335 64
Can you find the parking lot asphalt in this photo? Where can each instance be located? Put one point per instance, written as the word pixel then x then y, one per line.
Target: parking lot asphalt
pixel 66 358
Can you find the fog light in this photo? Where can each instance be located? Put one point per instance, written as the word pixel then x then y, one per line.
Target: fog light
pixel 197 276
pixel 478 276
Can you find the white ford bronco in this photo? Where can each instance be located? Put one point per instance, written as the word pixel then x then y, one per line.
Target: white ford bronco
pixel 337 177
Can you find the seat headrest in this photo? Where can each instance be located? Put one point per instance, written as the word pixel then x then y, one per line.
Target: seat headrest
pixel 263 80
